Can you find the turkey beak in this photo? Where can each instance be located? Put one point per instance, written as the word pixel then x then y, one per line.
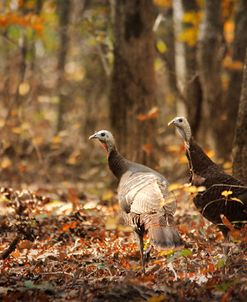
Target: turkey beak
pixel 171 122
pixel 93 136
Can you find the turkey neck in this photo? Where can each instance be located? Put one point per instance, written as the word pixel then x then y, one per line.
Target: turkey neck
pixel 199 161
pixel 117 163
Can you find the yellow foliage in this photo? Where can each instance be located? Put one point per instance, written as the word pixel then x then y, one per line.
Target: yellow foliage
pixel 200 3
pixel 210 153
pixel 74 71
pixel 226 193
pixel 233 65
pixel 23 127
pixel 108 195
pixel 225 82
pixel 161 46
pixel 170 99
pixel 229 31
pixel 38 140
pixel 158 64
pixel 166 252
pixel 111 223
pixel 227 165
pixel 72 160
pixel 189 36
pixel 183 159
pixel 16 130
pixel 124 228
pixel 192 17
pixel 24 88
pixel 5 163
pixel 56 139
pixel 160 298
pixel 175 186
pixel 194 189
pixel 173 148
pixel 163 3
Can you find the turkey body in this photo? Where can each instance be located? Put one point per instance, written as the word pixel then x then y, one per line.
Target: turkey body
pixel 143 198
pixel 223 195
pixel 142 194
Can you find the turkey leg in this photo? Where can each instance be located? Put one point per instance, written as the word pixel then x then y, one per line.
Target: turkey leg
pixel 141 247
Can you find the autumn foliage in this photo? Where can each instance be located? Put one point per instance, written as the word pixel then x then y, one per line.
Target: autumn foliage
pixel 87 253
pixel 61 234
pixel 29 20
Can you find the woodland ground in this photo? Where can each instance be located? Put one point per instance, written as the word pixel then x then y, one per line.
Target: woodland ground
pixel 72 248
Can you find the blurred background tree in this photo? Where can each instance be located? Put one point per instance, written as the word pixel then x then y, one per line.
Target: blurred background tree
pixel 240 142
pixel 70 67
pixel 133 104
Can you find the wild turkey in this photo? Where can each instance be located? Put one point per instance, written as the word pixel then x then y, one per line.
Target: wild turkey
pixel 223 193
pixel 143 198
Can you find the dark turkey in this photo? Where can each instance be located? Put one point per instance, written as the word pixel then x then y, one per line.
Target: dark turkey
pixel 223 193
pixel 143 197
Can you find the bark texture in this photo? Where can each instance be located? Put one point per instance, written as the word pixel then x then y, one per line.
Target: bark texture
pixel 133 80
pixel 192 90
pixel 168 57
pixel 240 141
pixel 64 8
pixel 235 75
pixel 209 58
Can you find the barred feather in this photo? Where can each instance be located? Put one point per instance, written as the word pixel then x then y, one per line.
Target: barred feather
pixel 211 203
pixel 143 197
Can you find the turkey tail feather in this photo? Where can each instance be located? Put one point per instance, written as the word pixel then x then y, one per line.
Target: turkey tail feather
pixel 160 232
pixel 165 236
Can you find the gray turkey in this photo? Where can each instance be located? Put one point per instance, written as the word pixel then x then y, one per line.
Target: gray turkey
pixel 143 198
pixel 223 194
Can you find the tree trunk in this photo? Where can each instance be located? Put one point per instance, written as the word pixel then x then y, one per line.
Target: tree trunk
pixel 192 89
pixel 209 59
pixel 64 7
pixel 36 10
pixel 235 75
pixel 240 140
pixel 132 93
pixel 168 56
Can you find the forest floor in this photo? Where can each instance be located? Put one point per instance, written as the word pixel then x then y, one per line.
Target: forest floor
pixel 70 246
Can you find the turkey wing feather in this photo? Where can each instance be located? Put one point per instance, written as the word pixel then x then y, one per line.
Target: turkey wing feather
pixel 142 192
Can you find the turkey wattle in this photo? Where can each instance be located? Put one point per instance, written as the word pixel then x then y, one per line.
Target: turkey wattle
pixel 223 195
pixel 143 198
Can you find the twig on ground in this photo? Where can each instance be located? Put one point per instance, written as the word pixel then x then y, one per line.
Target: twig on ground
pixel 11 248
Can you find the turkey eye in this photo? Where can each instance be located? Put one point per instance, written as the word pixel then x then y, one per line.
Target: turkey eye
pixel 102 134
pixel 180 120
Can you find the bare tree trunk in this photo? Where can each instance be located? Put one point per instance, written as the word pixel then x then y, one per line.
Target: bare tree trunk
pixel 36 10
pixel 64 7
pixel 192 89
pixel 132 92
pixel 209 58
pixel 240 140
pixel 235 75
pixel 168 57
pixel 179 55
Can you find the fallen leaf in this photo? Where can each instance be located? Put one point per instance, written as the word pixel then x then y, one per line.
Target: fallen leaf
pixel 226 193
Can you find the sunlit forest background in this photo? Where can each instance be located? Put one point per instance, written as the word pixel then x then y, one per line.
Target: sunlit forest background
pixel 69 68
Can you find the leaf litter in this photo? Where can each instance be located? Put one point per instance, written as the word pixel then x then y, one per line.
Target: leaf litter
pixel 75 249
